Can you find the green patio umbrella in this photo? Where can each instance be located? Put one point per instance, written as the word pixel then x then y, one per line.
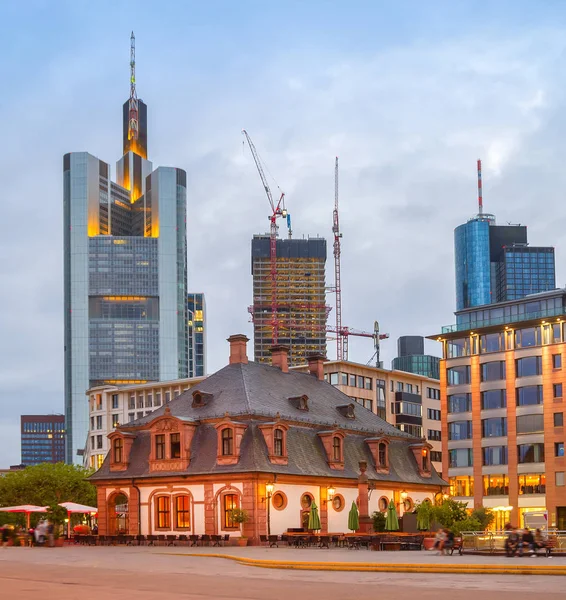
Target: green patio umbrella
pixel 353 518
pixel 391 521
pixel 314 519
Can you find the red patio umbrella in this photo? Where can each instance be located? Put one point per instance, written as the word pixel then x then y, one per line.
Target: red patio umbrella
pixel 24 508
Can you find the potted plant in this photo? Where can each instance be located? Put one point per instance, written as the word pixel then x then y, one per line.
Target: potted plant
pixel 240 516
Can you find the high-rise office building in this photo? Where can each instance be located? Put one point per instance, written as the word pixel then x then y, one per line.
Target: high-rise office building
pixel 196 310
pixel 42 439
pixel 300 297
pixel 125 272
pixel 494 263
pixel 412 359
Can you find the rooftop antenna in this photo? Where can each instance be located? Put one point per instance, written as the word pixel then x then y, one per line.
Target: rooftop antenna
pixel 133 124
pixel 480 192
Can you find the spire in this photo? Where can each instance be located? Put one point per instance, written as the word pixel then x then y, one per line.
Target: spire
pixel 133 123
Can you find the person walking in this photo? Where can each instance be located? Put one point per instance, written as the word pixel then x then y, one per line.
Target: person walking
pixel 5 536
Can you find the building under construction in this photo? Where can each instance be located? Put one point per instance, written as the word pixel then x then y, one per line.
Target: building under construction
pixel 301 294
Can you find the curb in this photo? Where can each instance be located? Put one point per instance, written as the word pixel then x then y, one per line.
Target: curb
pixel 384 568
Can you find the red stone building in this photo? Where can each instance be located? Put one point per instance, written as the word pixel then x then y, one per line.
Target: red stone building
pixel 261 438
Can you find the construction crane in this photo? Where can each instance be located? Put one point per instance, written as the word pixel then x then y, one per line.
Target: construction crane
pixel 340 339
pixel 277 210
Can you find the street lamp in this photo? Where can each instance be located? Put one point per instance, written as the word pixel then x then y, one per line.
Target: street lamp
pixel 331 492
pixel 403 495
pixel 268 493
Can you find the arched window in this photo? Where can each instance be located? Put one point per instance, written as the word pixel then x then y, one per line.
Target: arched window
pixel 337 448
pixel 426 463
pixel 229 503
pixel 182 515
pixel 382 454
pixel 118 447
pixel 227 442
pixel 278 442
pixel 163 504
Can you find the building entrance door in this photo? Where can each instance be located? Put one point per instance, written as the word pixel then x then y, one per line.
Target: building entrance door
pixel 561 518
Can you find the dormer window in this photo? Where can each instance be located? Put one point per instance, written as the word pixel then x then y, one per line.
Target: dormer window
pixel 175 442
pixel 337 448
pixel 382 454
pixel 278 442
pixel 426 464
pixel 227 442
pixel 197 399
pixel 200 398
pixel 421 452
pixel 300 402
pixel 333 442
pixel 118 450
pixel 379 448
pixel 347 410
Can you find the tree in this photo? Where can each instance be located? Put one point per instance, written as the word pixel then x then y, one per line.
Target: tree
pixel 450 512
pixel 47 485
pixel 378 519
pixel 484 516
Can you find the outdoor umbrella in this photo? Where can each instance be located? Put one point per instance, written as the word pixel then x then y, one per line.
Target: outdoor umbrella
pixel 314 519
pixel 73 507
pixel 391 521
pixel 24 508
pixel 353 518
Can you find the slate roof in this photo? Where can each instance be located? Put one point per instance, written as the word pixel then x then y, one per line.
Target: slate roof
pixel 256 391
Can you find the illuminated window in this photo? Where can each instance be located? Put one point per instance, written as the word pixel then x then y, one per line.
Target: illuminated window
pixel 160 447
pixel 227 442
pixel 99 460
pixel 163 512
pixel 182 516
pixel 230 502
pixel 118 447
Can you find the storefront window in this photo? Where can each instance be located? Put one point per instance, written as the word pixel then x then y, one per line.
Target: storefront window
pixel 534 483
pixel 495 485
pixel 461 486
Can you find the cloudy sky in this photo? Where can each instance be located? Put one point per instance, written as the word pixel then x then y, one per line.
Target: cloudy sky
pixel 407 94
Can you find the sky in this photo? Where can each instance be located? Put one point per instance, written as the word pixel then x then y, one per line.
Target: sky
pixel 408 95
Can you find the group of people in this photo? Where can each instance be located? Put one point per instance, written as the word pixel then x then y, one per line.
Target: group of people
pixel 444 540
pixel 43 533
pixel 518 540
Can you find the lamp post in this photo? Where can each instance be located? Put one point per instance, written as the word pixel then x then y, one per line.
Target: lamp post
pixel 268 493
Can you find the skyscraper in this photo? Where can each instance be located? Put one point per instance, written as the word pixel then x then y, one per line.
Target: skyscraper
pixel 125 256
pixel 494 263
pixel 43 439
pixel 300 295
pixel 412 359
pixel 196 308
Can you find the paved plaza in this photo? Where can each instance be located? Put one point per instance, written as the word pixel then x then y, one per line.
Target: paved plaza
pixel 88 573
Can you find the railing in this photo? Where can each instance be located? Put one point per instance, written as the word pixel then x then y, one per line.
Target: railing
pixel 493 541
pixel 541 314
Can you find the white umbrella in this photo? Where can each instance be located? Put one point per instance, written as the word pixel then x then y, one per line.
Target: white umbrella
pixel 73 507
pixel 24 508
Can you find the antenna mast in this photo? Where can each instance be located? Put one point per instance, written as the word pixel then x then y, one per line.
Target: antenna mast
pixel 340 339
pixel 133 124
pixel 480 191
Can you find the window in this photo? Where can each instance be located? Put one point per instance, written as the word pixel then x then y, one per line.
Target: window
pixel 493 399
pixel 494 455
pixel 528 366
pixel 460 430
pixel 99 422
pixel 408 408
pixel 132 402
pixel 92 423
pixel 458 375
pixel 343 378
pixel 92 442
pixel 433 414
pixel 399 386
pixel 115 401
pixel 559 419
pixel 460 457
pixel 492 342
pixel 382 454
pixel 149 401
pixel 409 388
pixel 392 386
pixel 175 444
pixel 333 378
pixel 530 424
pixel 230 502
pixel 435 456
pixel 160 446
pixel 557 390
pixel 279 501
pixel 496 427
pixel 306 501
pixel 434 435
pixel 462 486
pixel 557 361
pixel 99 460
pixel 131 417
pixel 495 485
pixel 532 483
pixel 530 453
pixel 115 420
pixel 278 442
pixel 338 502
pixel 337 448
pixel 117 447
pixel 139 415
pixel 163 512
pixel 140 401
pixel 227 442
pixel 458 348
pixel 529 395
pixel 425 460
pixel 383 503
pixel 433 393
pixel 167 397
pixel 414 430
pixel 158 399
pixel 525 338
pixel 559 449
pixel 98 442
pixel 182 515
pixel 360 382
pixel 352 379
pixel 367 383
pixel 559 478
pixel 459 403
pixel 493 371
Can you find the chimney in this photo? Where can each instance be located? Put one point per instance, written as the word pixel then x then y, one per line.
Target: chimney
pixel 238 351
pixel 280 357
pixel 316 365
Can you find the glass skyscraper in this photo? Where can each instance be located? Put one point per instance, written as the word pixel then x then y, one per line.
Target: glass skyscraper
pixel 43 439
pixel 125 254
pixel 494 263
pixel 412 359
pixel 196 308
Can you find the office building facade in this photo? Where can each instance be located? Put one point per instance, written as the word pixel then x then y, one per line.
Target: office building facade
pixel 494 263
pixel 42 439
pixel 196 311
pixel 502 405
pixel 411 357
pixel 300 297
pixel 125 274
